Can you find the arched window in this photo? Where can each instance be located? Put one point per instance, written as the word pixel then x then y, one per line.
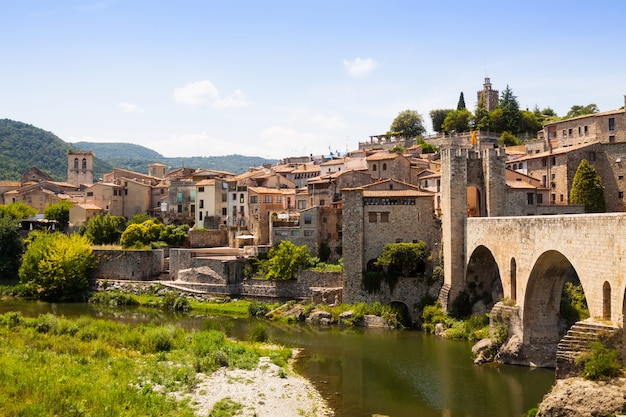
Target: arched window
pixel 374 167
pixel 513 279
pixel 384 167
pixel 76 164
pixel 84 163
pixel 606 301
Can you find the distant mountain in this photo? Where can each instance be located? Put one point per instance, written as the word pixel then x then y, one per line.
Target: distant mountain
pixel 23 146
pixel 137 158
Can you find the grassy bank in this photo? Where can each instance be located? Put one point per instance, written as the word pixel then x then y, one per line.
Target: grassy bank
pixel 52 366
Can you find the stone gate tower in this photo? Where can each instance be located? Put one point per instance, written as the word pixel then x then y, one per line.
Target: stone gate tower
pixel 467 176
pixel 80 167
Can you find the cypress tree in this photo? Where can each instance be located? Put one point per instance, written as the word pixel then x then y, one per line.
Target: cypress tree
pixel 587 188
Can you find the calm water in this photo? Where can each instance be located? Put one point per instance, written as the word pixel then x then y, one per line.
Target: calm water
pixel 369 371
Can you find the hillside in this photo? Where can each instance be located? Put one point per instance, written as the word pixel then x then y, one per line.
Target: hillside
pixel 137 158
pixel 23 146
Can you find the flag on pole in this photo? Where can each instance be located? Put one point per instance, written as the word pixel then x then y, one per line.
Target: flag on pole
pixel 473 137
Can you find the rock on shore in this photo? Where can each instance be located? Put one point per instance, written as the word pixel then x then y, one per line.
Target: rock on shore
pixel 576 397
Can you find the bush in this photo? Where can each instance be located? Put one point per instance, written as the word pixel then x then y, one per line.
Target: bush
pixel 56 266
pixel 104 229
pixel 285 260
pixel 256 309
pixel 432 315
pixel 12 248
pixel 599 363
pixel 140 235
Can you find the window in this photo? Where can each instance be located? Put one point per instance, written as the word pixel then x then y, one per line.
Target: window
pixel 611 139
pixel 569 132
pixel 200 189
pixel 579 130
pixel 125 191
pixel 544 181
pixel 224 198
pixel 115 192
pixel 90 193
pixel 620 177
pixel 561 198
pixel 611 123
pixel 308 219
pixel 322 202
pixel 384 167
pixel 301 204
pixel 254 199
pixel 564 133
pixel 279 198
pixel 374 167
pixel 224 211
pixel 234 196
pixel 179 209
pixel 324 220
pixel 539 199
pixel 384 217
pixel 591 156
pixel 193 209
pixel 553 198
pixel 308 233
pixel 200 216
pixel 201 203
pixel 586 130
pixel 76 164
pixel 267 199
pixel 84 164
pixel 620 194
pixel 373 217
pixel 242 211
pixel 544 162
pixel 530 199
pixel 193 195
pixel 240 198
pixel 553 160
pixel 179 197
pixel 553 177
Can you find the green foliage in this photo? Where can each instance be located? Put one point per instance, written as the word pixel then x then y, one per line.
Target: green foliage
pixel 402 258
pixel 457 121
pixel 113 298
pixel 139 218
pixel 173 302
pixel 461 104
pixel 509 139
pixel 315 264
pixel 140 235
pixel 397 149
pixel 530 122
pixel 532 412
pixel 426 147
pixel 17 211
pixel 599 363
pixel 56 266
pixel 372 280
pixel 511 116
pixel 226 408
pixel 174 235
pixel 408 123
pixel 573 303
pixel 59 211
pixel 578 110
pixel 587 189
pixel 437 117
pixel 258 333
pixel 11 248
pixel 461 306
pixel 257 309
pixel 104 229
pixel 482 120
pixel 285 260
pixel 431 315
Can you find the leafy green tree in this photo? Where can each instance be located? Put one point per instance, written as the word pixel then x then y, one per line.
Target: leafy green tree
pixel 285 260
pixel 529 122
pixel 11 248
pixel 408 123
pixel 403 258
pixel 511 116
pixel 17 211
pixel 587 189
pixel 509 139
pixel 426 147
pixel 59 211
pixel 139 218
pixel 578 110
pixel 174 235
pixel 482 120
pixel 461 104
pixel 545 115
pixel 139 235
pixel 56 266
pixel 437 117
pixel 457 121
pixel 104 229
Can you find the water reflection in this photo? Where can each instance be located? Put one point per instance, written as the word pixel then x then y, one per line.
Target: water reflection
pixel 366 371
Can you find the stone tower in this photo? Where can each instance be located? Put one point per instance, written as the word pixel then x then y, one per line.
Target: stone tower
pixel 80 167
pixel 489 95
pixel 484 172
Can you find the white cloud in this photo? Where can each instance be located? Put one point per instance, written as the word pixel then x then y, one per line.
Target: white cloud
pixel 204 92
pixel 328 122
pixel 130 108
pixel 359 67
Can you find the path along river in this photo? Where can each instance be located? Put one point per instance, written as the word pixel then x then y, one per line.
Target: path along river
pixel 398 373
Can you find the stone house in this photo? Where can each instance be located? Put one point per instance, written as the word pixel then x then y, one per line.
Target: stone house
pixel 325 190
pixel 40 195
pixel 383 165
pixel 108 196
pixel 212 203
pixel 34 174
pixel 80 213
pixel 267 204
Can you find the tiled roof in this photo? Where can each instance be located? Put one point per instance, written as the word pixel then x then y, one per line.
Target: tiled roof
pixel 557 151
pixel 397 193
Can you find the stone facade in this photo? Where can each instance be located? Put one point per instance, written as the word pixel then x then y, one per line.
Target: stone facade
pixel 132 265
pixel 80 167
pixel 208 238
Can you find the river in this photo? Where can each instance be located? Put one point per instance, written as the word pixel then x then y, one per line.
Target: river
pixel 398 373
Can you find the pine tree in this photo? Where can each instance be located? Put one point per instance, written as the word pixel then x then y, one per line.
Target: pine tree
pixel 461 104
pixel 587 188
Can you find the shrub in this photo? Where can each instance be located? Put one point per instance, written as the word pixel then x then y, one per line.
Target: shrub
pixel 432 315
pixel 285 261
pixel 56 266
pixel 599 363
pixel 256 309
pixel 104 229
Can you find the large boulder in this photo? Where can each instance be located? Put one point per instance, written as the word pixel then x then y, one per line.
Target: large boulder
pixel 576 397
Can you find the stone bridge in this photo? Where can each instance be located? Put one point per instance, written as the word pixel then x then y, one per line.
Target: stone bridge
pixel 533 256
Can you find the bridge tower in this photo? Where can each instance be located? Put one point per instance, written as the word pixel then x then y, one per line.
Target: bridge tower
pixel 473 184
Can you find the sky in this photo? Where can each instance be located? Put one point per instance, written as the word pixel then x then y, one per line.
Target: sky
pixel 290 78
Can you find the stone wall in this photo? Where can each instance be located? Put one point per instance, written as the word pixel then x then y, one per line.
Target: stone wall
pixel 135 265
pixel 208 238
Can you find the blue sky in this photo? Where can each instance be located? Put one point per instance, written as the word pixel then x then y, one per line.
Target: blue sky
pixel 282 78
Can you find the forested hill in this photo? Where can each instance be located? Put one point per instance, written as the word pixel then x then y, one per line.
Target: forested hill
pixel 137 158
pixel 23 146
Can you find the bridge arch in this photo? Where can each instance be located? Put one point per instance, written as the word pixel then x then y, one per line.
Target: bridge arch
pixel 482 277
pixel 542 303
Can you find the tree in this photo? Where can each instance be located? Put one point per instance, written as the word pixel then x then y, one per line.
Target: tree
pixel 285 260
pixel 577 110
pixel 59 211
pixel 461 104
pixel 481 115
pixel 174 235
pixel 437 117
pixel 426 147
pixel 511 116
pixel 457 121
pixel 140 235
pixel 17 211
pixel 529 122
pixel 405 259
pixel 587 189
pixel 408 123
pixel 509 139
pixel 104 229
pixel 56 266
pixel 11 248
